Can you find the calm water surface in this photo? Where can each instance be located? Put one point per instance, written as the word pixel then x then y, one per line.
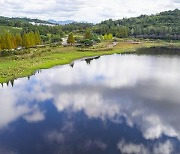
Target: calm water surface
pixel 112 104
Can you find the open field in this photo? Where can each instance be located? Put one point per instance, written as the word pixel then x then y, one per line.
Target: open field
pixel 25 64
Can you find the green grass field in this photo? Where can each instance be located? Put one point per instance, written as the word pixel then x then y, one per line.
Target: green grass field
pixel 22 65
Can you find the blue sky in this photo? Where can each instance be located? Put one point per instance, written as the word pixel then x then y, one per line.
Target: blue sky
pixel 84 10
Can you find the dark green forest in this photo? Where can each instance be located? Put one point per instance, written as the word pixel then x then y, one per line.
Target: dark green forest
pixel 165 25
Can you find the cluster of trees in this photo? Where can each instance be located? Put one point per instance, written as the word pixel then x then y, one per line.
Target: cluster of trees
pixel 31 39
pixel 51 38
pixel 164 25
pixel 76 27
pixel 49 34
pixel 13 41
pixel 88 40
pixel 117 31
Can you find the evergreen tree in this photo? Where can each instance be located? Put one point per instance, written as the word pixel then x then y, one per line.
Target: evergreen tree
pixel 88 34
pixel 132 31
pixel 101 37
pixel 122 32
pixel 71 39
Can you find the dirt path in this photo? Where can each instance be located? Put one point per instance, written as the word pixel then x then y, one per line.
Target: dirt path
pixel 112 45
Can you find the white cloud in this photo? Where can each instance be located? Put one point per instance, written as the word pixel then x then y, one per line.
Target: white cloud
pixel 61 136
pixel 95 144
pixel 55 137
pixel 129 148
pixel 159 148
pixel 117 90
pixel 9 109
pixel 154 127
pixel 163 148
pixel 35 116
pixel 84 10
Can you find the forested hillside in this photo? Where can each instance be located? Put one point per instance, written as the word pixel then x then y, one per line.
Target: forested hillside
pixel 165 25
pixel 19 22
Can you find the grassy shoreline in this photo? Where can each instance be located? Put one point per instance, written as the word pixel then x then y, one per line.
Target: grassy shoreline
pixel 14 67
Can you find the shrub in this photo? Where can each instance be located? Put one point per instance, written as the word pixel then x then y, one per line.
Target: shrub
pixel 87 42
pixel 5 53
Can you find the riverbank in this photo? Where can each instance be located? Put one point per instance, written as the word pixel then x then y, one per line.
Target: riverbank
pixel 17 66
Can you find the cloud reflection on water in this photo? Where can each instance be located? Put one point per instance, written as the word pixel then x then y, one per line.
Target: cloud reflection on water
pixel 160 148
pixel 143 89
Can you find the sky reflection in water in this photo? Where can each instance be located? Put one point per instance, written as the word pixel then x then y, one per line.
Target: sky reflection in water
pixel 115 104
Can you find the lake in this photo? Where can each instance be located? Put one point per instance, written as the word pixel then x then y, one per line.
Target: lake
pixel 110 104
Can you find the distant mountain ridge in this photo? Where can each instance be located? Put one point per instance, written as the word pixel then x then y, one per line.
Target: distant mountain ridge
pixel 5 20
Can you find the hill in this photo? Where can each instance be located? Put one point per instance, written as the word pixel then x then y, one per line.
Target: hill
pixel 163 25
pixel 18 22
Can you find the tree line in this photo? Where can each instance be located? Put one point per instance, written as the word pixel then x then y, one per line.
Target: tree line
pixel 12 41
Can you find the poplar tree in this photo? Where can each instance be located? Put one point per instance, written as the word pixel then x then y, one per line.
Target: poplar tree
pixel 38 38
pixel 26 41
pixel 106 37
pixel 14 43
pixel 18 40
pixel 110 36
pixel 8 42
pixel 31 37
pixel 0 43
